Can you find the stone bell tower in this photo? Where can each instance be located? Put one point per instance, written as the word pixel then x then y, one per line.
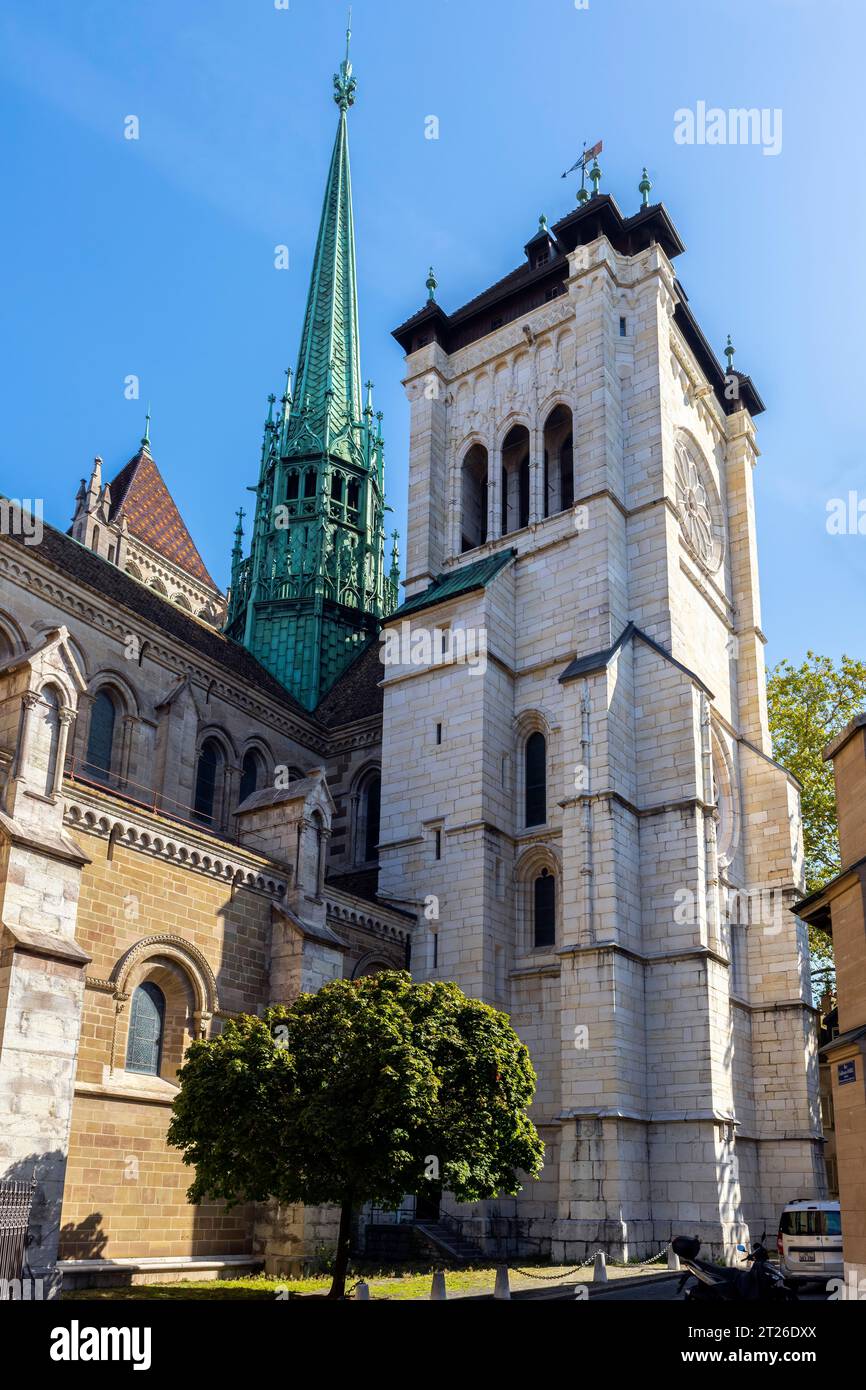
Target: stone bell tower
pixel 592 818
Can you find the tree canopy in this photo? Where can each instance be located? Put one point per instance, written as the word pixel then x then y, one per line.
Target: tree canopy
pixel 364 1092
pixel 808 705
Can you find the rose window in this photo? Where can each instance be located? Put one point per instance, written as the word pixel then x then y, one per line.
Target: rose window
pixel 698 509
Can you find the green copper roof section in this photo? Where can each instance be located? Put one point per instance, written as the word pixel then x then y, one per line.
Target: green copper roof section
pixel 328 378
pixel 454 583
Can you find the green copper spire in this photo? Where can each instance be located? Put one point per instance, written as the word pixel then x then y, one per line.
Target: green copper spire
pixel 432 285
pixel 314 588
pixel 644 188
pixel 329 356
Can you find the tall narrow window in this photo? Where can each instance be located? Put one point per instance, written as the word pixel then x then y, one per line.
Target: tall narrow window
pixel 146 1025
pixel 535 763
pixel 100 739
pixel 207 777
pixel 515 479
pixel 544 909
pixel 310 483
pixel 292 483
pixel 474 498
pixel 523 493
pixel 559 461
pixel 250 773
pixel 48 736
pixel 372 808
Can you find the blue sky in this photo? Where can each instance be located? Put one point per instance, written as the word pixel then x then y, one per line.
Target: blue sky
pixel 156 257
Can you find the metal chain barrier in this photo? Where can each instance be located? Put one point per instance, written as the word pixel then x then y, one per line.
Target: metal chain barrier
pixel 563 1274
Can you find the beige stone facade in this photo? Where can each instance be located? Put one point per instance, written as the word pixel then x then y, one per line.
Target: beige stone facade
pixel 674 1041
pixel 580 821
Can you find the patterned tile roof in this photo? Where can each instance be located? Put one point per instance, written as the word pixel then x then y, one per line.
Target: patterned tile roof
pixel 139 494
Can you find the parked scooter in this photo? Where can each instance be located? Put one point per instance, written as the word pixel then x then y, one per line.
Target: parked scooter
pixel 718 1283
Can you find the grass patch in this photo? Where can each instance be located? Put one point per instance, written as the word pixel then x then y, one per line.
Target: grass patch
pixel 410 1282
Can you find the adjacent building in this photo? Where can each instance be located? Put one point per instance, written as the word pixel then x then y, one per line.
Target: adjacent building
pixel 840 908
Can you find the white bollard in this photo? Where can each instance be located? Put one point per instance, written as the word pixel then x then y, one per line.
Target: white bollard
pixel 673 1259
pixel 437 1288
pixel 599 1269
pixel 363 1291
pixel 501 1289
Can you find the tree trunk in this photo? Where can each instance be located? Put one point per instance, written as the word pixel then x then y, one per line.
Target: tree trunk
pixel 341 1263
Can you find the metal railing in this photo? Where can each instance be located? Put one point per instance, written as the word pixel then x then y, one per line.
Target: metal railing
pixel 16 1201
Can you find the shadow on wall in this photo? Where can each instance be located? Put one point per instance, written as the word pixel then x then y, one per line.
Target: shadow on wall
pixel 44 1228
pixel 85 1240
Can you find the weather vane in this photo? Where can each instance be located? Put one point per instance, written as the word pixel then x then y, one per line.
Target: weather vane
pixel 581 164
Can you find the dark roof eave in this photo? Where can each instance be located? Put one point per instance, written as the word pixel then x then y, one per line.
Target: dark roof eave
pixel 816 902
pixel 691 330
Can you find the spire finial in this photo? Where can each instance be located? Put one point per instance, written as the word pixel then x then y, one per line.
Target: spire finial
pixel 344 82
pixel 145 438
pixel 432 284
pixel 644 187
pixel 595 177
pixel 729 353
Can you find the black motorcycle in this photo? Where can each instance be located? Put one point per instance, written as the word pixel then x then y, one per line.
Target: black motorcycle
pixel 718 1283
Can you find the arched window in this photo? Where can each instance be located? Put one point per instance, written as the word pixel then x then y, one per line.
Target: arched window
pixel 292 484
pixel 544 909
pixel 310 483
pixel 146 1027
pixel 373 798
pixel 473 482
pixel 336 487
pixel 100 739
pixel 94 544
pixel 47 739
pixel 353 495
pixel 515 479
pixel 535 780
pixel 366 802
pixel 252 773
pixel 558 461
pixel 210 763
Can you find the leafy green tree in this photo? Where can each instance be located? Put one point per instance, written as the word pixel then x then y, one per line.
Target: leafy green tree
pixel 363 1092
pixel 808 705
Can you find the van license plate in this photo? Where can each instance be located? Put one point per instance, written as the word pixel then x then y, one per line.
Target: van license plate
pixel 807 1259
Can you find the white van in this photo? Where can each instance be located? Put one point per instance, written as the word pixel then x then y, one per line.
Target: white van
pixel 810 1241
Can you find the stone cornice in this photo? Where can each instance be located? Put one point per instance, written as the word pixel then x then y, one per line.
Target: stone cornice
pixel 346 911
pixel 150 834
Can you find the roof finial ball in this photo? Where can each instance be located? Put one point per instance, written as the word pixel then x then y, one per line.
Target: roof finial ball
pixel 432 284
pixel 595 177
pixel 729 354
pixel 542 223
pixel 643 188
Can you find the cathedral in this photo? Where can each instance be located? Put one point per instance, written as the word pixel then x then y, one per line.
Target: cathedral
pixel 542 770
